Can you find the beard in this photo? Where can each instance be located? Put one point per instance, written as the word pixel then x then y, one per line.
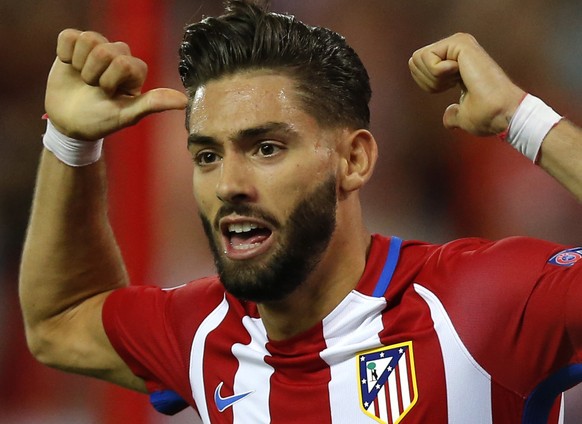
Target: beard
pixel 303 240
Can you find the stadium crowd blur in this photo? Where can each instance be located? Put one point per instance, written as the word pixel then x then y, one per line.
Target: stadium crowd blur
pixel 430 184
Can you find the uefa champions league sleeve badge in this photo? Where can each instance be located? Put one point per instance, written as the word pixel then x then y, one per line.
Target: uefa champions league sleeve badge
pixel 567 257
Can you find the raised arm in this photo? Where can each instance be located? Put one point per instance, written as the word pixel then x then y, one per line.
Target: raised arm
pixel 489 100
pixel 70 260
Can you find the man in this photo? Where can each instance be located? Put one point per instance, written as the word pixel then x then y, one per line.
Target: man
pixel 312 318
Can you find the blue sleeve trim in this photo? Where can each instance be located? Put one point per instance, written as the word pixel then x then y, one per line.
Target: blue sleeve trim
pixel 539 404
pixel 389 267
pixel 167 402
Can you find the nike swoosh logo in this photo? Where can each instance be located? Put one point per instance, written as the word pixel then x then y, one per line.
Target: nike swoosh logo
pixel 223 403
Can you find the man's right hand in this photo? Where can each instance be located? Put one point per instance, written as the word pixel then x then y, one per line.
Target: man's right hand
pixel 70 260
pixel 94 87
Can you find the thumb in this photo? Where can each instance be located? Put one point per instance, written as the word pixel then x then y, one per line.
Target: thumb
pixel 451 118
pixel 153 101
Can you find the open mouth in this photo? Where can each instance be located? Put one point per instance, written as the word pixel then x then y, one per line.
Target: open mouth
pixel 244 238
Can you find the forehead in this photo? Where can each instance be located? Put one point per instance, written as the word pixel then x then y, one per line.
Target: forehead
pixel 245 100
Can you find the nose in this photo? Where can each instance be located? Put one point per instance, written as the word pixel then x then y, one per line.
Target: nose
pixel 236 183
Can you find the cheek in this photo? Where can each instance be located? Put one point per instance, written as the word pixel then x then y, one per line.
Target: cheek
pixel 289 187
pixel 203 193
pixel 322 164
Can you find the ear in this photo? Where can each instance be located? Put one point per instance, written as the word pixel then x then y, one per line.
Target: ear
pixel 359 153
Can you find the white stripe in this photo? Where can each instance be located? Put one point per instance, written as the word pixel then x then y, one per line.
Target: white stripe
pixel 382 406
pixel 562 406
pixel 468 384
pixel 404 386
pixel 353 326
pixel 253 375
pixel 212 321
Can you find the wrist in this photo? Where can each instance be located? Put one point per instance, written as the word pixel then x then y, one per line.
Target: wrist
pixel 70 151
pixel 529 125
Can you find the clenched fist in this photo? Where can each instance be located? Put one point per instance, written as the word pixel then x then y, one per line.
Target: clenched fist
pixel 488 97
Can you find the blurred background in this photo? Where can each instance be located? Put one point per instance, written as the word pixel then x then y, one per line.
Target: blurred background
pixel 430 184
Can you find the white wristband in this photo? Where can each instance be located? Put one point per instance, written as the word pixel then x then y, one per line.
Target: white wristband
pixel 529 125
pixel 70 151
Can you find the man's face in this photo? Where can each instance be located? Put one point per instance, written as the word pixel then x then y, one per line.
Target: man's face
pixel 265 183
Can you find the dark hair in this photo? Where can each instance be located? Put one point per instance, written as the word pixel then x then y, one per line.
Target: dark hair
pixel 331 81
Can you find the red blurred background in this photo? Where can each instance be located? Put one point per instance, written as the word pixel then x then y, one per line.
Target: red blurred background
pixel 430 184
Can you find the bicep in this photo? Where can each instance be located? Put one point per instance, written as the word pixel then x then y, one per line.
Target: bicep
pixel 78 343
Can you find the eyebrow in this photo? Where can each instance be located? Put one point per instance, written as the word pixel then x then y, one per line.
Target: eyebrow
pixel 201 140
pixel 245 134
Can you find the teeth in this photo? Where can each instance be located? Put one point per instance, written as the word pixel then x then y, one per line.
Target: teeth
pixel 242 228
pixel 245 246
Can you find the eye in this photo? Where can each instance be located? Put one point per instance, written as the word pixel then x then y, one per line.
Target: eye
pixel 205 158
pixel 268 149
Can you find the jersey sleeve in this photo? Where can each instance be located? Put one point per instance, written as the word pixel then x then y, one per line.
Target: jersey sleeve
pixel 573 306
pixel 152 329
pixel 515 305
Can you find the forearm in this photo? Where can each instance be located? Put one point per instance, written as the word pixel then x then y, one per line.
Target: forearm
pixel 70 253
pixel 561 156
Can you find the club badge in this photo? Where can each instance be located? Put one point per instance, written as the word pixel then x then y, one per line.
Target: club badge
pixel 387 382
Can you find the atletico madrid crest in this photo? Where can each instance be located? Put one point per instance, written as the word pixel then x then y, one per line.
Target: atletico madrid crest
pixel 387 382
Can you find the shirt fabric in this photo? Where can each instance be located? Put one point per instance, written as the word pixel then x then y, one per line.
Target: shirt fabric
pixel 472 331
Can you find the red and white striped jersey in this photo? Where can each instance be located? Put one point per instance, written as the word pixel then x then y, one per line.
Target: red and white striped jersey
pixel 471 331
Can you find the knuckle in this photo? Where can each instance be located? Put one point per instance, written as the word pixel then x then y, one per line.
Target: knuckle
pixel 107 84
pixel 460 35
pixel 65 42
pixel 130 64
pixel 110 53
pixel 91 38
pixel 67 35
pixel 122 47
pixel 465 37
pixel 123 63
pixel 103 52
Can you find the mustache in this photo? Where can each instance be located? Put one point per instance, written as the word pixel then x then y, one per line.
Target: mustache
pixel 245 210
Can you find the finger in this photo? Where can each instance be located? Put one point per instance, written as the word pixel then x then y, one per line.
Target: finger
pixel 85 43
pixel 124 75
pixel 442 72
pixel 420 77
pixel 422 72
pixel 100 58
pixel 66 44
pixel 439 61
pixel 439 68
pixel 427 80
pixel 153 101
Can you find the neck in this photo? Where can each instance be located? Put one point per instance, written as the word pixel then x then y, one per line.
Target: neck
pixel 335 276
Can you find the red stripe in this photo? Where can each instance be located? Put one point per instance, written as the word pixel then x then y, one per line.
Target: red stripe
pixel 301 384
